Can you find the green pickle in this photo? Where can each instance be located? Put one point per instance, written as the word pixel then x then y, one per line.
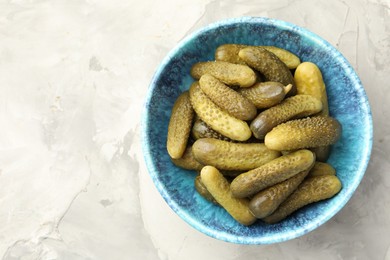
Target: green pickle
pixel 229 53
pixel 228 73
pixel 269 65
pixel 232 156
pixel 179 127
pixel 293 107
pixel 267 201
pixel 271 173
pixel 218 187
pixel 304 133
pixel 231 101
pixel 311 190
pixel 265 94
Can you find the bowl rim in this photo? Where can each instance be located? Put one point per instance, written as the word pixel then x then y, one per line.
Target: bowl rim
pixel 284 236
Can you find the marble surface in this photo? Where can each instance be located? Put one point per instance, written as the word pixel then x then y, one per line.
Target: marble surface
pixel 73 76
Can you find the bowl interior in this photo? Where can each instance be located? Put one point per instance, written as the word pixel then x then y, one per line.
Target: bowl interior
pixel 347 102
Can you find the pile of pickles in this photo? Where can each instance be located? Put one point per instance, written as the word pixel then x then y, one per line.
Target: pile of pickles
pixel 255 124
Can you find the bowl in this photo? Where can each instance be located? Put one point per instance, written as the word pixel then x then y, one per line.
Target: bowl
pixel 347 103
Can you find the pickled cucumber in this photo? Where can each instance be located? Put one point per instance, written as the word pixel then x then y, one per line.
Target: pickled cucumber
pixel 232 156
pixel 321 168
pixel 267 201
pixel 226 98
pixel 187 161
pixel 218 119
pixel 228 73
pixel 265 94
pixel 269 65
pixel 304 133
pixel 202 190
pixel 201 130
pixel 271 173
pixel 311 190
pixel 293 107
pixel 308 80
pixel 229 53
pixel 179 127
pixel 218 187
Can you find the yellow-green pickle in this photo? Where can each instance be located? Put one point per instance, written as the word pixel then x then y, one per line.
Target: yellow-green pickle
pixel 271 173
pixel 228 73
pixel 269 65
pixel 232 156
pixel 201 130
pixel 229 53
pixel 202 190
pixel 179 126
pixel 218 187
pixel 265 94
pixel 304 133
pixel 292 107
pixel 231 101
pixel 268 200
pixel 311 190
pixel 216 118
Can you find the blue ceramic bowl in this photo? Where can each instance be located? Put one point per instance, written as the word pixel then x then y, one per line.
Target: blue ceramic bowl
pixel 347 102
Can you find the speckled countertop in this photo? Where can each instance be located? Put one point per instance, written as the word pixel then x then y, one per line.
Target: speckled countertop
pixel 73 76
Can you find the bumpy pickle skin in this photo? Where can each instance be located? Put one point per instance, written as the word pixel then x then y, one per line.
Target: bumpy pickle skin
pixel 309 81
pixel 187 161
pixel 267 201
pixel 218 119
pixel 304 133
pixel 232 156
pixel 179 127
pixel 271 173
pixel 229 53
pixel 264 94
pixel 202 190
pixel 269 65
pixel 229 73
pixel 201 130
pixel 226 98
pixel 293 107
pixel 321 168
pixel 311 190
pixel 218 187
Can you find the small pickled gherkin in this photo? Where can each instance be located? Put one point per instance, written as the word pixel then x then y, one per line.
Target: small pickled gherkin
pixel 312 189
pixel 293 107
pixel 229 73
pixel 267 201
pixel 269 65
pixel 265 94
pixel 229 53
pixel 201 130
pixel 232 156
pixel 232 102
pixel 218 187
pixel 202 190
pixel 304 133
pixel 179 127
pixel 216 118
pixel 271 173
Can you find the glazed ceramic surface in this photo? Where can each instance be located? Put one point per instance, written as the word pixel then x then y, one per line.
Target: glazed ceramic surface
pixel 347 103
